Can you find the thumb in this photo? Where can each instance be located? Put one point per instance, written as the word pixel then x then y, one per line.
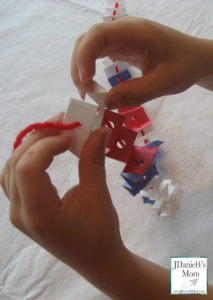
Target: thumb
pixel 137 91
pixel 91 164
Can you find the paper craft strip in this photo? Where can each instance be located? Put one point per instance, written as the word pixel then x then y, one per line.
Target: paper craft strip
pixel 152 193
pixel 115 68
pixel 116 121
pixel 147 139
pixel 147 200
pixel 174 207
pixel 133 179
pixel 111 18
pixel 85 113
pixel 127 138
pixel 123 75
pixel 116 11
pixel 157 156
pixel 142 183
pixel 143 154
pixel 113 3
pixel 146 135
pixel 156 143
pixel 166 195
pixel 107 62
pixel 136 119
pixel 98 98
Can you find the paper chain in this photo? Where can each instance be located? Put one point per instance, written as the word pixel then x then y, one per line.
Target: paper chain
pixel 133 139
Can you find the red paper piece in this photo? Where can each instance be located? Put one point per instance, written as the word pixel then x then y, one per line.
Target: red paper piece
pixel 146 154
pixel 136 119
pixel 127 138
pixel 116 121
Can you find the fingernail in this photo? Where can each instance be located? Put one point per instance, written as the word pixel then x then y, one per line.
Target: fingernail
pixel 58 114
pixel 81 75
pixel 116 101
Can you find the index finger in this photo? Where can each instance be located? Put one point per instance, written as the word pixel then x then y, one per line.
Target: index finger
pixel 113 39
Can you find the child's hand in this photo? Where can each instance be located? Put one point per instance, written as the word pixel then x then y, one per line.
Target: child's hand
pixel 169 60
pixel 82 228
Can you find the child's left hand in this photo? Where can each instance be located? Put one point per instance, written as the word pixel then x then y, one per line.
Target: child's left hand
pixel 82 228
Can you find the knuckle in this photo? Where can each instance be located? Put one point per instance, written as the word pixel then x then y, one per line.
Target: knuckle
pixel 23 169
pixel 96 28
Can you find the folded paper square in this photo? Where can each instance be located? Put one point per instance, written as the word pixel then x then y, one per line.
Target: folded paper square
pixel 136 119
pixel 123 145
pixel 152 136
pixel 147 200
pixel 111 18
pixel 144 155
pixel 83 112
pixel 115 122
pixel 98 96
pixel 123 75
pixel 115 68
pixel 115 11
pixel 142 183
pixel 133 179
pixel 146 130
pixel 116 3
pixel 156 143
pixel 107 62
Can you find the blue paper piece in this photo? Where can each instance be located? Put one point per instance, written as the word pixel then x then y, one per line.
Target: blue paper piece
pixel 132 179
pixel 124 75
pixel 141 184
pixel 147 200
pixel 154 144
pixel 157 156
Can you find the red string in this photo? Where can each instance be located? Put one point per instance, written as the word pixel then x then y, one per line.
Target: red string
pixel 119 79
pixel 114 12
pixel 143 134
pixel 48 125
pixel 116 69
pixel 137 121
pixel 116 4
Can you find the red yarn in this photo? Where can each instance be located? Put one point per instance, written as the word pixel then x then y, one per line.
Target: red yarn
pixel 45 125
pixel 119 79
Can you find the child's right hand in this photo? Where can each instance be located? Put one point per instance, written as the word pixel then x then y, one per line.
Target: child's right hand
pixel 169 60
